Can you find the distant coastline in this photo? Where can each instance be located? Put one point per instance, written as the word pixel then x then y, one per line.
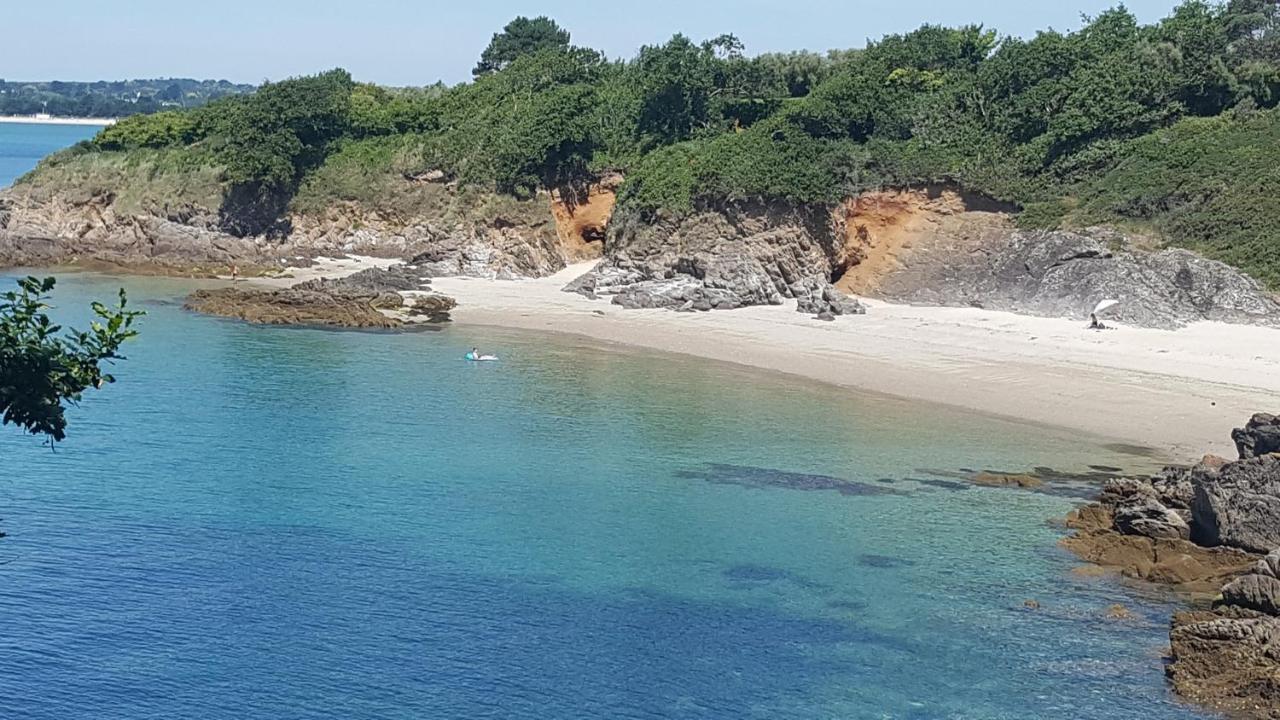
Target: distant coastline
pixel 50 120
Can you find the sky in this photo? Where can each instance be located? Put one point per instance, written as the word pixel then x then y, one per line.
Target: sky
pixel 417 42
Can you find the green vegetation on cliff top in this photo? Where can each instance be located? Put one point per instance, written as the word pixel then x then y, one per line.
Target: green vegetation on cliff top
pixel 1169 128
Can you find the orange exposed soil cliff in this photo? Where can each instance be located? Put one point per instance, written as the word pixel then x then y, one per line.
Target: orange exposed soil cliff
pixel 883 229
pixel 581 220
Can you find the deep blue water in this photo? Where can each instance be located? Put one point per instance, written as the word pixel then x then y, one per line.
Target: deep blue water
pixel 285 523
pixel 22 145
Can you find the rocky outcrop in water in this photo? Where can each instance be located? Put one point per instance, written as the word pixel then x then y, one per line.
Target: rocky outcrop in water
pixel 1229 658
pixel 1198 529
pixel 721 260
pixel 370 299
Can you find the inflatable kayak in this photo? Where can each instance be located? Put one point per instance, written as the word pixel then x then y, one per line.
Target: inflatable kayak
pixel 478 358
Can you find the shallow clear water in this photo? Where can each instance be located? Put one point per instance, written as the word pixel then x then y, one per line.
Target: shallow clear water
pixel 22 145
pixel 284 523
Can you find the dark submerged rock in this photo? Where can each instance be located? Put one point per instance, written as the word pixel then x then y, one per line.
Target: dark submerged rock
pixel 758 477
pixel 883 562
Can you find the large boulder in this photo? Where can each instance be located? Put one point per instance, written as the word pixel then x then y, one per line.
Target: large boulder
pixel 1238 505
pixel 1150 518
pixel 1258 589
pixel 1259 437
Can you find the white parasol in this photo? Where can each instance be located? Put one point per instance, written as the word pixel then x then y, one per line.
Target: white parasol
pixel 1104 306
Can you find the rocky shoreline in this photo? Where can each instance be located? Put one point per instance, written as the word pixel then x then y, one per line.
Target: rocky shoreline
pixel 1212 533
pixel 376 298
pixel 931 245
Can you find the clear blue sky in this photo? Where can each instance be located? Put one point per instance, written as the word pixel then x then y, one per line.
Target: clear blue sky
pixel 416 42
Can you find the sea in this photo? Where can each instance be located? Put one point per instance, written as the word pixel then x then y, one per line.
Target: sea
pixel 22 145
pixel 274 523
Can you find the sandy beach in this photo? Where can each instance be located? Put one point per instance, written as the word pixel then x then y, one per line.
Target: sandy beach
pixel 32 120
pixel 1178 392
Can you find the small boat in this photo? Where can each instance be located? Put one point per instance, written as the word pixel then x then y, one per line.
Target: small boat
pixel 480 358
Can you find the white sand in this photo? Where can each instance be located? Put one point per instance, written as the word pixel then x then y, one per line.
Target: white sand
pixel 1180 391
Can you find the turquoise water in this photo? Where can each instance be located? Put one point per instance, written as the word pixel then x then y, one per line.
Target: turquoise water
pixel 286 523
pixel 22 145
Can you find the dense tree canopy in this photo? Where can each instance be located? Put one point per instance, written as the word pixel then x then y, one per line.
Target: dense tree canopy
pixel 41 369
pixel 522 36
pixel 1040 122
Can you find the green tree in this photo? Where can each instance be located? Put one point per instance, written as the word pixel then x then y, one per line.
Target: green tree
pixel 676 83
pixel 522 36
pixel 1253 27
pixel 798 72
pixel 1197 39
pixel 283 128
pixel 42 370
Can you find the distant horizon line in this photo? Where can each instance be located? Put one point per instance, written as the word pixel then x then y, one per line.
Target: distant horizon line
pixel 43 119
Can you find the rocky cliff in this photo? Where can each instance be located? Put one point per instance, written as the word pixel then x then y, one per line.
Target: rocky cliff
pixel 144 216
pixel 724 259
pixel 939 246
pixel 931 245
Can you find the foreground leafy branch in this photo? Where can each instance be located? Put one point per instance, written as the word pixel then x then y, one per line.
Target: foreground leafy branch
pixel 41 369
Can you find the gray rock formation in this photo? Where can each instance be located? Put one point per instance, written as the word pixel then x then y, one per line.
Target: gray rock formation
pixel 1064 274
pixel 1259 437
pixel 1259 589
pixel 1238 505
pixel 1150 518
pixel 444 230
pixel 41 229
pixel 393 279
pixel 722 260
